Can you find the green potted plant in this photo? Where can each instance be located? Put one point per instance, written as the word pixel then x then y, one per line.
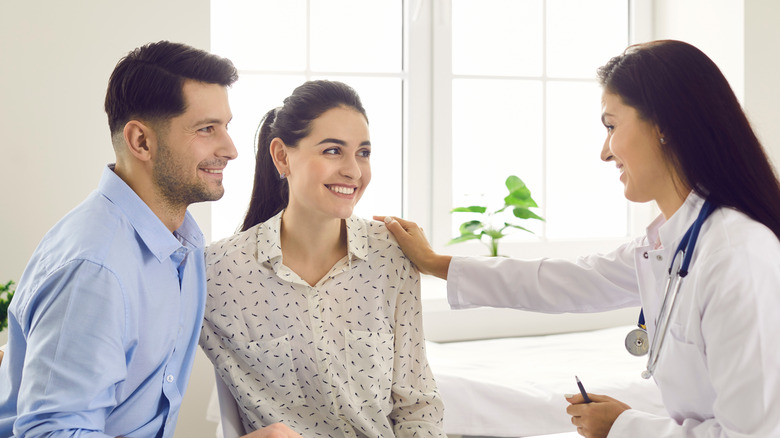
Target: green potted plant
pixel 6 294
pixel 489 229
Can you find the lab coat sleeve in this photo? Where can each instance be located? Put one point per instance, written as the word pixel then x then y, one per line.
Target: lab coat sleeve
pixel 418 410
pixel 638 424
pixel 590 284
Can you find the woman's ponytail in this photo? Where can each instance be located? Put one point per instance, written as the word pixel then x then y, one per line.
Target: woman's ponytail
pixel 269 191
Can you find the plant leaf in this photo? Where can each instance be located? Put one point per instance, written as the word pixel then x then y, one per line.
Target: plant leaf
pixel 514 183
pixel 524 213
pixel 471 209
pixel 463 238
pixel 493 234
pixel 519 193
pixel 519 227
pixel 470 227
pixel 6 295
pixel 518 199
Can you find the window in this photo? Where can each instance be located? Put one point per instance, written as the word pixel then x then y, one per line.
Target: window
pixel 276 46
pixel 459 94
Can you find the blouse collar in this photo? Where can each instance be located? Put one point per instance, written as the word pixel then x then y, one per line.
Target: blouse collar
pixel 269 232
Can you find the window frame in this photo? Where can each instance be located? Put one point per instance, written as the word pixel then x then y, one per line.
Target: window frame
pixel 430 29
pixel 430 208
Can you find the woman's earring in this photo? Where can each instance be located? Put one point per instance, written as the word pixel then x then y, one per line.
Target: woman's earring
pixel 282 175
pixel 663 140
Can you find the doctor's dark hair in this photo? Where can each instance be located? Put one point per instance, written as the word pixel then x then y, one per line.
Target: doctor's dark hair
pixel 291 122
pixel 147 83
pixel 709 141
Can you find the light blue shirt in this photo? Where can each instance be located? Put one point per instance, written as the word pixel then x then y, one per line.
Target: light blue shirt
pixel 104 325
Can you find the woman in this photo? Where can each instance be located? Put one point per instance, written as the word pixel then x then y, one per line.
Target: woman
pixel 313 316
pixel 678 136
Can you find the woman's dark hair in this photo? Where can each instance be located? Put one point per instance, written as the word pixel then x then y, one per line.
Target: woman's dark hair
pixel 709 141
pixel 147 83
pixel 290 122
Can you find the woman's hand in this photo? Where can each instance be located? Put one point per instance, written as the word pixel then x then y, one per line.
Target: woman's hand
pixel 415 245
pixel 595 419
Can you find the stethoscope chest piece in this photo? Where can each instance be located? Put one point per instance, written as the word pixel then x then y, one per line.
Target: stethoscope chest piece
pixel 637 343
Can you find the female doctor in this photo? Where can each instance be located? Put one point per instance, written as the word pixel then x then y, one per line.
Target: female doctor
pixel 677 136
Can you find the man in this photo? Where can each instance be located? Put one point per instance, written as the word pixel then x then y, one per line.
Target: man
pixel 104 325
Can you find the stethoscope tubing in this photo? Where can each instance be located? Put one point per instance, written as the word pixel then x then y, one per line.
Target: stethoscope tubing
pixel 678 270
pixel 673 283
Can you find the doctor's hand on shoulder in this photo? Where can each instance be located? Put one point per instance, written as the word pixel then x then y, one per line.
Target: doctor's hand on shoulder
pixel 276 430
pixel 594 419
pixel 415 245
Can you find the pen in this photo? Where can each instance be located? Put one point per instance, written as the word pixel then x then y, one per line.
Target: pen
pixel 582 390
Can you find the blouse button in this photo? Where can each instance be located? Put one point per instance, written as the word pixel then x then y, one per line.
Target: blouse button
pixel 169 378
pixel 659 258
pixel 645 255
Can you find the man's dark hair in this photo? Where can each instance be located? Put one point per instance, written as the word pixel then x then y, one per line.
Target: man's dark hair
pixel 147 83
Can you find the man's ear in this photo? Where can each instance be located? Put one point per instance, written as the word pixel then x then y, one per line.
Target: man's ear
pixel 278 151
pixel 140 139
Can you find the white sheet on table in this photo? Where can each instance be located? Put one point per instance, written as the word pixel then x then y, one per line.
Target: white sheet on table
pixel 514 386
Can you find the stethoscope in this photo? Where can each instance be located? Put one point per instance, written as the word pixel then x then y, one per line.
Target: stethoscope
pixel 636 341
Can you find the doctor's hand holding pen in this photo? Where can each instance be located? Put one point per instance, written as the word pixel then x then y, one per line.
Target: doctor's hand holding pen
pixel 595 419
pixel 593 414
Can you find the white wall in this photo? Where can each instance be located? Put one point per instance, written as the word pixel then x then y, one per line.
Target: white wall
pixel 762 64
pixel 716 27
pixel 741 37
pixel 55 60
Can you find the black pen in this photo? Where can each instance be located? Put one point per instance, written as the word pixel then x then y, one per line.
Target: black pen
pixel 582 390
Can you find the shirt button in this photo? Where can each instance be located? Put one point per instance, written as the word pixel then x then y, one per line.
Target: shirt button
pixel 645 255
pixel 169 378
pixel 659 258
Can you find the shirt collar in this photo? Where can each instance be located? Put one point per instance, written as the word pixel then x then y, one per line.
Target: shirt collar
pixel 672 231
pixel 357 238
pixel 268 239
pixel 155 235
pixel 652 232
pixel 268 236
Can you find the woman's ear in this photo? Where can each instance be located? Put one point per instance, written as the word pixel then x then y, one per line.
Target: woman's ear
pixel 660 135
pixel 278 151
pixel 139 139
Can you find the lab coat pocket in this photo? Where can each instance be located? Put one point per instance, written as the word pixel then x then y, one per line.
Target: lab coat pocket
pixel 682 332
pixel 370 366
pixel 686 344
pixel 263 373
pixel 682 372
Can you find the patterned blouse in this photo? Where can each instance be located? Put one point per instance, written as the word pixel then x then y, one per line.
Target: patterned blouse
pixel 342 358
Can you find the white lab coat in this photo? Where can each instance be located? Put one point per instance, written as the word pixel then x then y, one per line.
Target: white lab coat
pixel 719 368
